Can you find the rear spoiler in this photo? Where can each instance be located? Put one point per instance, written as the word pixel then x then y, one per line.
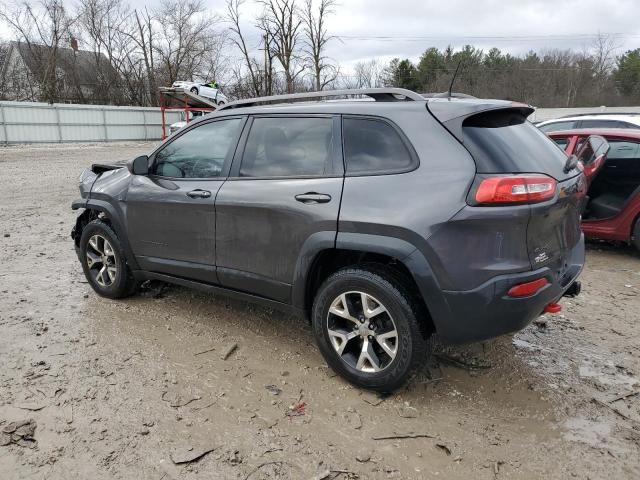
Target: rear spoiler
pixel 452 113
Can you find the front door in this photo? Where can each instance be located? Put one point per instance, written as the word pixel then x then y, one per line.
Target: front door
pixel 171 212
pixel 284 187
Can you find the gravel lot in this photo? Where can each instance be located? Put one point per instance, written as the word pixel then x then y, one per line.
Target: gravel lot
pixel 138 388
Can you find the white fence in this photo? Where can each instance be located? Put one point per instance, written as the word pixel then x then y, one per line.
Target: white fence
pixel 30 122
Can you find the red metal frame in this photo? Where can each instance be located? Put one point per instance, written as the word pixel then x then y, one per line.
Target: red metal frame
pixel 619 227
pixel 185 108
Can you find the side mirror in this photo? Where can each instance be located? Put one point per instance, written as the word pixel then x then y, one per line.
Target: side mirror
pixel 139 165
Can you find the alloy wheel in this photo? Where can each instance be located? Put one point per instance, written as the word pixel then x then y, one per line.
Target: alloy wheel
pixel 101 260
pixel 362 332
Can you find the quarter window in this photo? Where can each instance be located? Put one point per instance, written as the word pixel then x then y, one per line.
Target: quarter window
pixel 288 147
pixel 373 146
pixel 199 152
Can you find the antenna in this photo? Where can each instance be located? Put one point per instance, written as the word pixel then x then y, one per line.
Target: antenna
pixel 453 79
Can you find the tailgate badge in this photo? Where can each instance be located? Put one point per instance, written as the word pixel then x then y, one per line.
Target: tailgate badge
pixel 541 257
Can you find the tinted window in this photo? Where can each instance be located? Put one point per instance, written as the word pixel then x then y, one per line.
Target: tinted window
pixel 623 150
pixel 373 146
pixel 198 153
pixel 288 147
pixel 558 126
pixel 503 141
pixel 602 124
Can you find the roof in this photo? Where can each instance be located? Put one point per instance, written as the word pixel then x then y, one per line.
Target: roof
pixel 605 132
pixel 379 100
pixel 81 64
pixel 623 117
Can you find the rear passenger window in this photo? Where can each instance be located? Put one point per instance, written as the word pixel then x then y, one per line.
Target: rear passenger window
pixel 372 146
pixel 286 147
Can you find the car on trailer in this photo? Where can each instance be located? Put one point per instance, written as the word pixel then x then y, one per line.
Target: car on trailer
pixel 204 90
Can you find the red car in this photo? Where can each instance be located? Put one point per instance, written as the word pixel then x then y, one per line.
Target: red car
pixel 613 207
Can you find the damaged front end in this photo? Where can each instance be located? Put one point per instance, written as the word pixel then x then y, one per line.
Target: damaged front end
pixel 86 183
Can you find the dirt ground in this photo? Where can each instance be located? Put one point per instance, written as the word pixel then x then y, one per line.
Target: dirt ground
pixel 139 389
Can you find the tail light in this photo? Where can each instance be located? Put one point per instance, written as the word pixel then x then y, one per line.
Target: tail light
pixel 527 289
pixel 512 189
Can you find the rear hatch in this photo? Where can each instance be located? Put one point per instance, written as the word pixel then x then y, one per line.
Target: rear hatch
pixel 506 146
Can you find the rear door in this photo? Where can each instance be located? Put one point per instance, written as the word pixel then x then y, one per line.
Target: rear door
pixel 171 212
pixel 284 188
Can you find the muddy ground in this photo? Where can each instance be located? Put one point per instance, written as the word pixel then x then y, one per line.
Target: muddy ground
pixel 125 389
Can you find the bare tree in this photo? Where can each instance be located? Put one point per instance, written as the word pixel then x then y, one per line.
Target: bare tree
pixel 44 24
pixel 604 59
pixel 187 39
pixel 283 23
pixel 237 38
pixel 316 39
pixel 103 23
pixel 367 74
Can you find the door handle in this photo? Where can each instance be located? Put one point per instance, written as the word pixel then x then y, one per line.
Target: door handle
pixel 198 193
pixel 313 197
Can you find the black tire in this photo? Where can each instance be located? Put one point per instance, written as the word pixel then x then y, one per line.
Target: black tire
pixel 635 235
pixel 194 90
pixel 221 104
pixel 123 284
pixel 412 348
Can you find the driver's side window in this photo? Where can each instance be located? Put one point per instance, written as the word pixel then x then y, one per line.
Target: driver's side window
pixel 198 153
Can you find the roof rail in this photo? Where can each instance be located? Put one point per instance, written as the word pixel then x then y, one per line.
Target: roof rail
pixel 378 94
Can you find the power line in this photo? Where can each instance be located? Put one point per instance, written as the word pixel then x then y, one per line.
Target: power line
pixel 517 38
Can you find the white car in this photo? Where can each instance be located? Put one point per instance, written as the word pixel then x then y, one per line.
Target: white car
pixel 204 90
pixel 594 120
pixel 174 127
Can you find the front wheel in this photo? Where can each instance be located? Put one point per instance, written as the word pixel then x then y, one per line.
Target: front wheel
pixel 194 90
pixel 104 263
pixel 367 327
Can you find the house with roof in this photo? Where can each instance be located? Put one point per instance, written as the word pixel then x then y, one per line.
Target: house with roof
pixel 39 73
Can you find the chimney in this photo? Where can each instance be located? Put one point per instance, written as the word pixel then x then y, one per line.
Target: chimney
pixel 74 43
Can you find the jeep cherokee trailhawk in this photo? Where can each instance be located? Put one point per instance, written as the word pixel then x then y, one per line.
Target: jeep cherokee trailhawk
pixel 384 219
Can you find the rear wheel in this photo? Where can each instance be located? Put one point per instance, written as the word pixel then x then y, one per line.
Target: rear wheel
pixel 103 261
pixel 367 328
pixel 194 90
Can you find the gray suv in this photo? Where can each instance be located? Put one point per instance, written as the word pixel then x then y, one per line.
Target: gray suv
pixel 384 220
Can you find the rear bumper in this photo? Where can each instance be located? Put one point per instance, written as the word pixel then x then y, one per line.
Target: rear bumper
pixel 487 312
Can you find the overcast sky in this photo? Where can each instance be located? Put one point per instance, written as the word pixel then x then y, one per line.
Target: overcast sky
pixel 405 28
pixel 408 27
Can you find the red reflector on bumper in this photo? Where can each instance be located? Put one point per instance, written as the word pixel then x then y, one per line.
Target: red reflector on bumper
pixel 528 288
pixel 553 308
